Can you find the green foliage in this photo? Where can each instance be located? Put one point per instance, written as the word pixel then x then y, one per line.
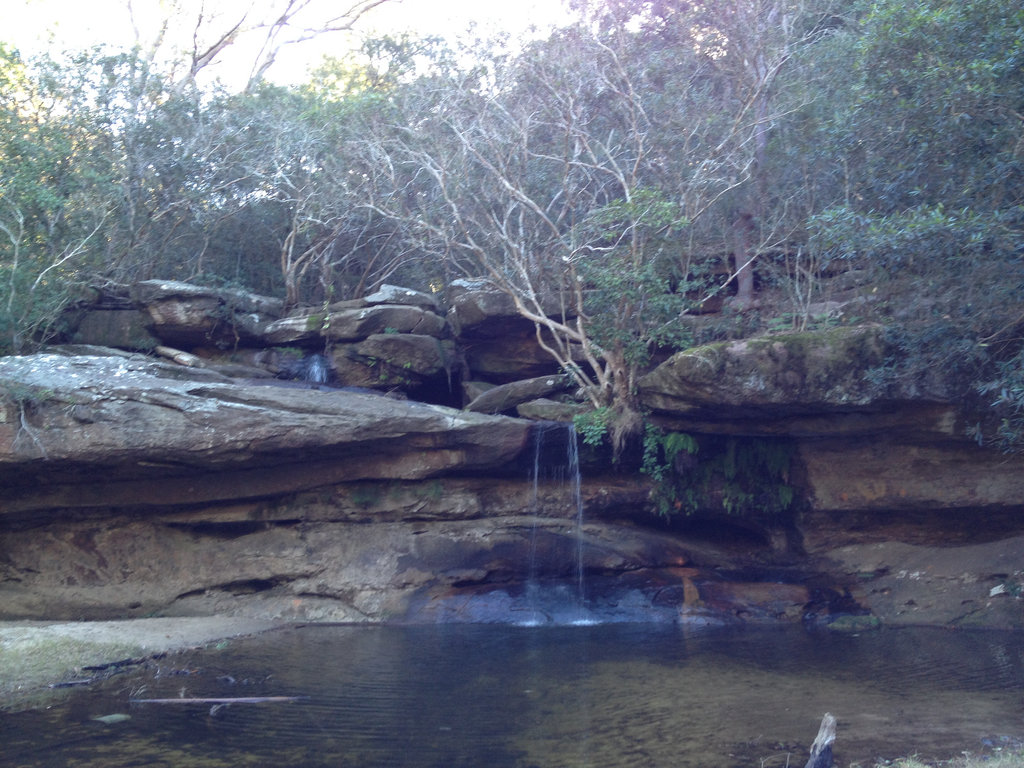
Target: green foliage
pixel 661 451
pixel 919 239
pixel 736 476
pixel 909 145
pixel 938 85
pixel 1006 395
pixel 603 167
pixel 592 426
pixel 633 269
pixel 55 194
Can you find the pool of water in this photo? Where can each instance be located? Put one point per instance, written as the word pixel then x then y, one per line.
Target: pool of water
pixel 552 697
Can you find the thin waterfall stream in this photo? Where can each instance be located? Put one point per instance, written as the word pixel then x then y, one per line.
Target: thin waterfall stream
pixel 557 460
pixel 575 480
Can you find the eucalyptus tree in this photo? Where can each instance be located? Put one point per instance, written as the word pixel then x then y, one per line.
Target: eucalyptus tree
pixel 747 48
pixel 564 176
pixel 56 194
pixel 191 38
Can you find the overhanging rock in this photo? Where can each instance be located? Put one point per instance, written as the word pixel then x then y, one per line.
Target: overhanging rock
pixel 110 431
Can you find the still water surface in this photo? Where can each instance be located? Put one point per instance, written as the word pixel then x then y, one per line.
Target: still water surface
pixel 609 696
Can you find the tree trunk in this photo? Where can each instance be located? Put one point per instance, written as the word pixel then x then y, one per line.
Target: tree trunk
pixel 821 750
pixel 743 254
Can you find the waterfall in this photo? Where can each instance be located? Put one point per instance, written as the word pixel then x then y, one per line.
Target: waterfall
pixel 315 369
pixel 556 457
pixel 576 486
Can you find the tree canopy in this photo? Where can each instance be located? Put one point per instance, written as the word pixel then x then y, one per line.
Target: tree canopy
pixel 613 179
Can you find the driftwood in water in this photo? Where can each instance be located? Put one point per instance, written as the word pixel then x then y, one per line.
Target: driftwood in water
pixel 236 700
pixel 821 750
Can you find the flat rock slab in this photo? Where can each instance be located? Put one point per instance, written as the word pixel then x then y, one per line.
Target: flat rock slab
pixel 37 654
pixel 68 424
pixel 971 586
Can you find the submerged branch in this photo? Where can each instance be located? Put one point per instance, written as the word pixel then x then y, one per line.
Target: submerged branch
pixel 229 700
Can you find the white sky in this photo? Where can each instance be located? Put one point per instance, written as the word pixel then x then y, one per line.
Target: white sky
pixel 31 25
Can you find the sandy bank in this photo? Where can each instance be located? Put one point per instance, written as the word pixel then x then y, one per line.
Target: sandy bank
pixel 35 655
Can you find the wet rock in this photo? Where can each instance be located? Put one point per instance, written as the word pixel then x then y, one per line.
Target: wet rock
pixel 313 368
pixel 544 409
pixel 755 600
pixel 325 571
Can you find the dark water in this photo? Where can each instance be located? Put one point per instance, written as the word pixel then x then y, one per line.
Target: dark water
pixel 492 696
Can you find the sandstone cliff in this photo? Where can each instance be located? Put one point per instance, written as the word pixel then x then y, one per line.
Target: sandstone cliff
pixel 212 481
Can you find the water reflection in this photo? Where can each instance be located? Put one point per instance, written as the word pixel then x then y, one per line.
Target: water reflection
pixel 613 695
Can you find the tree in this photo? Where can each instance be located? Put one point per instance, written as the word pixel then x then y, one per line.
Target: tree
pixel 745 46
pixel 563 177
pixel 905 163
pixel 55 196
pixel 193 36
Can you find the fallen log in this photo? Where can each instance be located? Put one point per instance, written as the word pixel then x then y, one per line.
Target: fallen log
pixel 821 749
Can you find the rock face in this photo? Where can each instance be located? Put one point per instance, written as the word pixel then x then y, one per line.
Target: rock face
pixel 881 474
pixel 122 429
pixel 897 450
pixel 201 484
pixel 499 346
pixel 774 376
pixel 136 487
pixel 187 315
pixel 392 340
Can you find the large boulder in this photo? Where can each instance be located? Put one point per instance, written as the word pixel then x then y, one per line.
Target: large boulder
pixel 511 357
pixel 181 314
pixel 506 397
pixel 477 310
pixel 498 343
pixel 90 431
pixel 354 324
pixel 858 446
pixel 813 384
pixel 406 362
pixel 785 373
